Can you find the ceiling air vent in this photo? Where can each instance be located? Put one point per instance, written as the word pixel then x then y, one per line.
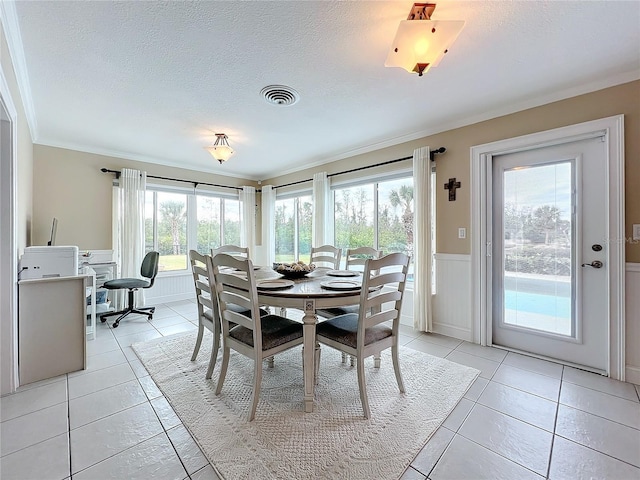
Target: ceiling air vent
pixel 280 95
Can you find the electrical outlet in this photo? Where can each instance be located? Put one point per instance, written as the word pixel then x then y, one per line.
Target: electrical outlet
pixel 462 233
pixel 636 232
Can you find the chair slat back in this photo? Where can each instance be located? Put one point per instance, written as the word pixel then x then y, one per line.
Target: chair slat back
pixel 326 256
pixel 235 284
pixel 202 280
pixel 234 250
pixel 357 257
pixel 383 282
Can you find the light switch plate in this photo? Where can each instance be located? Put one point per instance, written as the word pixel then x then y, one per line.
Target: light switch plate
pixel 636 231
pixel 462 233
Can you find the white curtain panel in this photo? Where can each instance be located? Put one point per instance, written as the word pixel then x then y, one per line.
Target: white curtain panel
pixel 322 226
pixel 422 311
pixel 118 300
pixel 248 219
pixel 269 223
pixel 129 218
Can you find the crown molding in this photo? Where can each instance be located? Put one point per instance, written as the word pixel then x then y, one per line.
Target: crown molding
pixel 463 122
pixel 11 27
pixel 105 152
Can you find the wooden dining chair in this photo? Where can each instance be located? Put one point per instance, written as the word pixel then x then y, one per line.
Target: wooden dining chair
pixel 355 260
pixel 231 250
pixel 252 335
pixel 208 316
pixel 208 310
pixel 368 332
pixel 326 256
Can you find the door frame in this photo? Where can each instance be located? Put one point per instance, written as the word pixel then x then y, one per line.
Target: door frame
pixel 8 246
pixel 612 128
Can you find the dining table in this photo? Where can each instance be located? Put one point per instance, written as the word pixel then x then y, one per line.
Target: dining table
pixel 322 288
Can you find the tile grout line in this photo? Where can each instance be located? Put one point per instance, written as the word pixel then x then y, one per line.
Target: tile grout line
pixel 69 425
pixel 555 424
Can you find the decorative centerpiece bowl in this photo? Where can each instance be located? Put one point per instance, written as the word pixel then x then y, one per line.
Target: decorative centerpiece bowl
pixel 294 270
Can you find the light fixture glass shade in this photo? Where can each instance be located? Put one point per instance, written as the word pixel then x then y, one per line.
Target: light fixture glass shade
pixel 421 44
pixel 220 150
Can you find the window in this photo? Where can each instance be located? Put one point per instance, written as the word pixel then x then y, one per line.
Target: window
pixel 378 214
pixel 293 220
pixel 218 222
pixel 176 222
pixel 166 228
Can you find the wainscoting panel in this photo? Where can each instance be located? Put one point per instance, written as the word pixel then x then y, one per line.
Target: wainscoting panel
pixel 406 314
pixel 171 288
pixel 452 301
pixel 632 315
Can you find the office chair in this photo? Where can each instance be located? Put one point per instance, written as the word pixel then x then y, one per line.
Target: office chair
pixel 149 270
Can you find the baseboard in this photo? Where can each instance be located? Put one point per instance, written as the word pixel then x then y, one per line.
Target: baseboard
pixel 452 331
pixel 168 298
pixel 632 374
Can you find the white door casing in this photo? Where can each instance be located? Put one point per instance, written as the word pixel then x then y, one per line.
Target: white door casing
pixel 612 130
pixel 550 305
pixel 8 249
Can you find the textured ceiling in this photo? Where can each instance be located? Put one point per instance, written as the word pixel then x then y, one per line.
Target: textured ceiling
pixel 154 81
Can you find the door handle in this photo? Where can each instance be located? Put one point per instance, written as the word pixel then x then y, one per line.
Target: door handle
pixel 594 264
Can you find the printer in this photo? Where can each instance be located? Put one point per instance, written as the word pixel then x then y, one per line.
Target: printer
pixel 47 262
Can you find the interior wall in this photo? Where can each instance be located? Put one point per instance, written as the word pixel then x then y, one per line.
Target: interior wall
pixel 621 99
pixel 69 185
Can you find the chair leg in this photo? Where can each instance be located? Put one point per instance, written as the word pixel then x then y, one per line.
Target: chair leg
pixel 316 366
pixel 352 360
pixel 255 396
pixel 396 367
pixel 214 354
pixel 344 357
pixel 223 369
pixel 376 361
pixel 148 311
pixel 196 349
pixel 363 388
pixel 270 361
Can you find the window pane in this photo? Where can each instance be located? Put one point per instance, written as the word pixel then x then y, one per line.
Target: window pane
pixel 231 235
pixel 172 231
pixel 537 248
pixel 395 216
pixel 149 213
pixel 285 230
pixel 354 217
pixel 208 216
pixel 305 220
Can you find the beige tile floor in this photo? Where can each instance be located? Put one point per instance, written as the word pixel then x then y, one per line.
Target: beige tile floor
pixel 522 418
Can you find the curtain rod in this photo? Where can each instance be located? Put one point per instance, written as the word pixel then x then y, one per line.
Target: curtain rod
pixel 432 154
pixel 195 184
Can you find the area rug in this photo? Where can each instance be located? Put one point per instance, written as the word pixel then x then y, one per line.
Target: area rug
pixel 283 442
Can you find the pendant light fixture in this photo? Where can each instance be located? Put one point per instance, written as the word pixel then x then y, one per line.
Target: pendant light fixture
pixel 420 42
pixel 220 150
